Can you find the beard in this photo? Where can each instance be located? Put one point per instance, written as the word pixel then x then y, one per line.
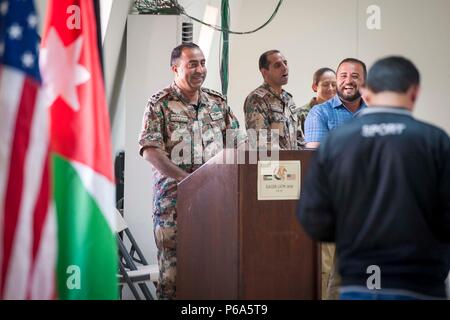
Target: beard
pixel 348 98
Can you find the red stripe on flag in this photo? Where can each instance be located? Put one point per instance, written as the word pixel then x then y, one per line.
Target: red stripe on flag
pixel 16 170
pixel 41 209
pixel 39 217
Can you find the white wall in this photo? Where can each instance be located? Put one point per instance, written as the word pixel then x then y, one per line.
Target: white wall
pixel 420 31
pixel 114 17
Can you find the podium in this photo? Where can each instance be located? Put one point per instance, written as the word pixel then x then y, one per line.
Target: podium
pixel 233 246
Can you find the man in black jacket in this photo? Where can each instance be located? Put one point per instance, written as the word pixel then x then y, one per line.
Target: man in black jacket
pixel 379 186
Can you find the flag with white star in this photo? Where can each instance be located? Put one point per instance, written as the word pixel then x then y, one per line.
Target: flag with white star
pixel 81 154
pixel 27 219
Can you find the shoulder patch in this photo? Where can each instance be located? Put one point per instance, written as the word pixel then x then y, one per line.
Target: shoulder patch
pixel 260 92
pixel 214 93
pixel 158 96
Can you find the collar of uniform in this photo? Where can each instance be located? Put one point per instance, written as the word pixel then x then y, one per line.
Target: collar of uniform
pixel 180 95
pixel 203 98
pixel 283 96
pixel 269 88
pixel 384 109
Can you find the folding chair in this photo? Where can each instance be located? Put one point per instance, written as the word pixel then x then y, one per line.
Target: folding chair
pixel 133 267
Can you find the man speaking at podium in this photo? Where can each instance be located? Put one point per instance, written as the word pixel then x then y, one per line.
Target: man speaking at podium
pixel 184 125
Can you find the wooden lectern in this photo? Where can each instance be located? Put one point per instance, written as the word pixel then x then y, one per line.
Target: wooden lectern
pixel 232 246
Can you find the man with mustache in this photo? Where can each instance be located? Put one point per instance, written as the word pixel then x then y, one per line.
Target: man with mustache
pixel 270 110
pixel 351 74
pixel 183 126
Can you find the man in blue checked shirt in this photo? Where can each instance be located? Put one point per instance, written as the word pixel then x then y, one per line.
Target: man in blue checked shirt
pixel 351 75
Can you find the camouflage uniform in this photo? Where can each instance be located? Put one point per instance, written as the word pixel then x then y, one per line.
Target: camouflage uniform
pixel 172 124
pixel 264 109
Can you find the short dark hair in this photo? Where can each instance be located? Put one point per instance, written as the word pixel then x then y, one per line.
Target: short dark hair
pixel 319 73
pixel 263 61
pixel 177 51
pixel 393 73
pixel 353 60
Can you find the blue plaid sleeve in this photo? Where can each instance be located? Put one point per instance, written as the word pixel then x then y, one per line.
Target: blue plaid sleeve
pixel 315 125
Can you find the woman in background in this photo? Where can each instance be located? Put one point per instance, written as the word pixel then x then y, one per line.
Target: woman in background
pixel 324 85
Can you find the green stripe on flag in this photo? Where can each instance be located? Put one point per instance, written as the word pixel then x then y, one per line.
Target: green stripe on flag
pixel 87 248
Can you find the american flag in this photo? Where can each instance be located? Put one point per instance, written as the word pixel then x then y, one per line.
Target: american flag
pixel 27 225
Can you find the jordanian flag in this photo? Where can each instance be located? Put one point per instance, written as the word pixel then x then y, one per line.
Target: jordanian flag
pixel 81 158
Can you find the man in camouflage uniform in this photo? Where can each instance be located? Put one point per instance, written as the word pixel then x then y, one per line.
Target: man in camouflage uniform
pixel 270 110
pixel 183 126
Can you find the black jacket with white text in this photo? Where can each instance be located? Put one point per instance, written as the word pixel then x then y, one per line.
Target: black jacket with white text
pixel 379 186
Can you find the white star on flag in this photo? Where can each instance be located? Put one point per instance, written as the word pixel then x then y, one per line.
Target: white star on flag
pixel 28 59
pixel 32 21
pixel 61 72
pixel 15 31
